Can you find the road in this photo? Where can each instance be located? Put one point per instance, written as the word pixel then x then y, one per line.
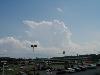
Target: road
pixel 87 72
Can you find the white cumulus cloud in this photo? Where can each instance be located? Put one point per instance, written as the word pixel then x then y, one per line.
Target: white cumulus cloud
pixel 59 9
pixel 50 33
pixel 13 47
pixel 51 37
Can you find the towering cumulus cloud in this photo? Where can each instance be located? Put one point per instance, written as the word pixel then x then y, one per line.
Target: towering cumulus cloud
pixel 49 33
pixel 52 37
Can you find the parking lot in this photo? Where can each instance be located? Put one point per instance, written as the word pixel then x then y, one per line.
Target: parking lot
pixel 87 72
pixel 28 69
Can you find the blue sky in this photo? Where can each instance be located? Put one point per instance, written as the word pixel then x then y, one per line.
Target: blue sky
pixel 80 16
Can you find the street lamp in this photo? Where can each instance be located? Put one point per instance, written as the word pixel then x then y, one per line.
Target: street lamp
pixel 64 58
pixel 63 52
pixel 33 51
pixel 33 47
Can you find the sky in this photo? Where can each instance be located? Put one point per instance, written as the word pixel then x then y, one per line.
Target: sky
pixel 54 25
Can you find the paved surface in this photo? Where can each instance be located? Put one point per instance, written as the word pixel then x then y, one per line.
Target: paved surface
pixel 87 72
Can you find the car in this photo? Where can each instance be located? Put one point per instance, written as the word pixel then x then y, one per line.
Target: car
pixel 91 66
pixel 70 70
pixel 21 67
pixel 77 69
pixel 9 69
pixel 83 68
